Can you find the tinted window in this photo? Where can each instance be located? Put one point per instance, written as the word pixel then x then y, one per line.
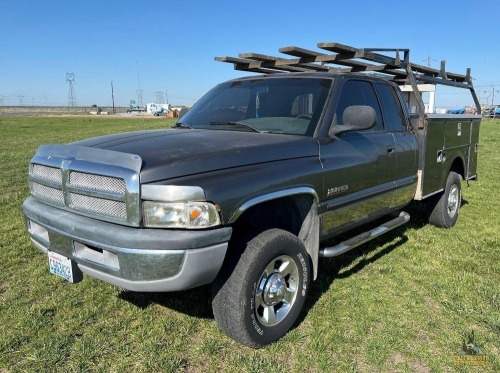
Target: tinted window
pixel 394 118
pixel 358 92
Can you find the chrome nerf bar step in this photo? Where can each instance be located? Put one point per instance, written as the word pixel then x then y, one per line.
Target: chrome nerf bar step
pixel 364 237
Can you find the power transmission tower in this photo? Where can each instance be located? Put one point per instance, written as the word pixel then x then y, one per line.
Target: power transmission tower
pixel 139 97
pixel 21 100
pixel 493 95
pixel 139 91
pixel 113 96
pixel 70 79
pixel 159 97
pixel 1 100
pixel 429 61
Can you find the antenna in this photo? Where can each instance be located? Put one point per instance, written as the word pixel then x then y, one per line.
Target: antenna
pixel 159 97
pixel 21 100
pixel 70 79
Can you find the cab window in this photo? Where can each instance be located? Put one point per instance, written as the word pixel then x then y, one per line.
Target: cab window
pixel 358 92
pixel 394 118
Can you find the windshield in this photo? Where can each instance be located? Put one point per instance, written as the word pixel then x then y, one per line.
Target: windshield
pixel 283 105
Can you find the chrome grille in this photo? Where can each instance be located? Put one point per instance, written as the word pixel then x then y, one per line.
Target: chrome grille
pixel 97 182
pixel 47 193
pixel 47 173
pixel 98 205
pixel 93 182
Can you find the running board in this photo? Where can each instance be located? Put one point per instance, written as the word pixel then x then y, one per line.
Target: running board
pixel 360 239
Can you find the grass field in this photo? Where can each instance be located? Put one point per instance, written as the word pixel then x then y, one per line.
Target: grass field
pixel 402 303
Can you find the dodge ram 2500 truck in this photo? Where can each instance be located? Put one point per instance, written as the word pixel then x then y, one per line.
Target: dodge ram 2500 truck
pixel 249 186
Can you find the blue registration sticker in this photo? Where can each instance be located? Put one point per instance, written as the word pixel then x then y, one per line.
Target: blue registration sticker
pixel 60 266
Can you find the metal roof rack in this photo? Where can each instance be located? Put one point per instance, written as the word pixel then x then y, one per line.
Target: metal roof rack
pixel 343 58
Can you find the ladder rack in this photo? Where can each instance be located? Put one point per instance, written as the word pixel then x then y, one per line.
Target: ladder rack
pixel 340 58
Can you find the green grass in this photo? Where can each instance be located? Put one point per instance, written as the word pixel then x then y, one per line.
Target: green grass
pixel 402 303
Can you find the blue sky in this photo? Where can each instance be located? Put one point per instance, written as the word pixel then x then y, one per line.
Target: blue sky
pixel 172 44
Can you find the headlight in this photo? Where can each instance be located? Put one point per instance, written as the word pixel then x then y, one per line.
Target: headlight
pixel 194 215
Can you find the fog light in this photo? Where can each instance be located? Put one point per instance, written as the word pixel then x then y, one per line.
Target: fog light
pixel 38 231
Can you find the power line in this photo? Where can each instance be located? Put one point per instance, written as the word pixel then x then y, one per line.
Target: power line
pixel 490 93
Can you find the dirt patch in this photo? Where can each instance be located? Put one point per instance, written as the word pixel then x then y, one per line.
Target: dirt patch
pixel 415 366
pixel 397 358
pixel 418 367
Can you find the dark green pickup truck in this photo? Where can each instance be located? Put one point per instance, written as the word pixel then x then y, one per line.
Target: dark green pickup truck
pixel 250 184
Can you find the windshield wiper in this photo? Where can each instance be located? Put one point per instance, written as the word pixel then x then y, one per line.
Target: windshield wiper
pixel 181 125
pixel 241 124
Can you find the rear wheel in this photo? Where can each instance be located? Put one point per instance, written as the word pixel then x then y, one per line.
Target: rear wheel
pixel 445 208
pixel 258 298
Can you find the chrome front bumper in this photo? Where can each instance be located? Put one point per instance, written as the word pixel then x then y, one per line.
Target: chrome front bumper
pixel 132 258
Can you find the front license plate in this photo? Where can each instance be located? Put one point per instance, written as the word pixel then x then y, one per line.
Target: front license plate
pixel 62 266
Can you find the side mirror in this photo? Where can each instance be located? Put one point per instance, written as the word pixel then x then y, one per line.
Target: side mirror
pixel 183 111
pixel 355 118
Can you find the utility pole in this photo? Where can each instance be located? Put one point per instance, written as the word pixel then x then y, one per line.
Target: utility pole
pixel 166 95
pixel 113 97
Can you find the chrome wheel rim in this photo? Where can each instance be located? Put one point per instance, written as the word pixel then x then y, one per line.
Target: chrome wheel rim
pixel 276 290
pixel 453 200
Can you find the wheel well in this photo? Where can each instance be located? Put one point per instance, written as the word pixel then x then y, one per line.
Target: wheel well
pixel 458 167
pixel 287 213
pixel 297 214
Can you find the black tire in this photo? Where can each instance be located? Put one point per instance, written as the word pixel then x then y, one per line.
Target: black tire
pixel 259 296
pixel 444 209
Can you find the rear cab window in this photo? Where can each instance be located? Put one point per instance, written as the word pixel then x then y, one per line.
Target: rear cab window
pixel 393 114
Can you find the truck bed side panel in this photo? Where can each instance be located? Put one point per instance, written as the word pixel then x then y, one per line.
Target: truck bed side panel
pixel 474 148
pixel 446 139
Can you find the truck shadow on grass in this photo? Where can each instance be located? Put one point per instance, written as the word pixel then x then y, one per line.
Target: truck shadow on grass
pixel 197 302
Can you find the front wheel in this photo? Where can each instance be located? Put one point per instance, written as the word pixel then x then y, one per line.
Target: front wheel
pixel 444 209
pixel 260 297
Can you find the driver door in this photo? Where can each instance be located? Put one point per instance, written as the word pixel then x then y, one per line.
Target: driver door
pixel 359 166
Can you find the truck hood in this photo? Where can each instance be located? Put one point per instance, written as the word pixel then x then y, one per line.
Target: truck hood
pixel 168 154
